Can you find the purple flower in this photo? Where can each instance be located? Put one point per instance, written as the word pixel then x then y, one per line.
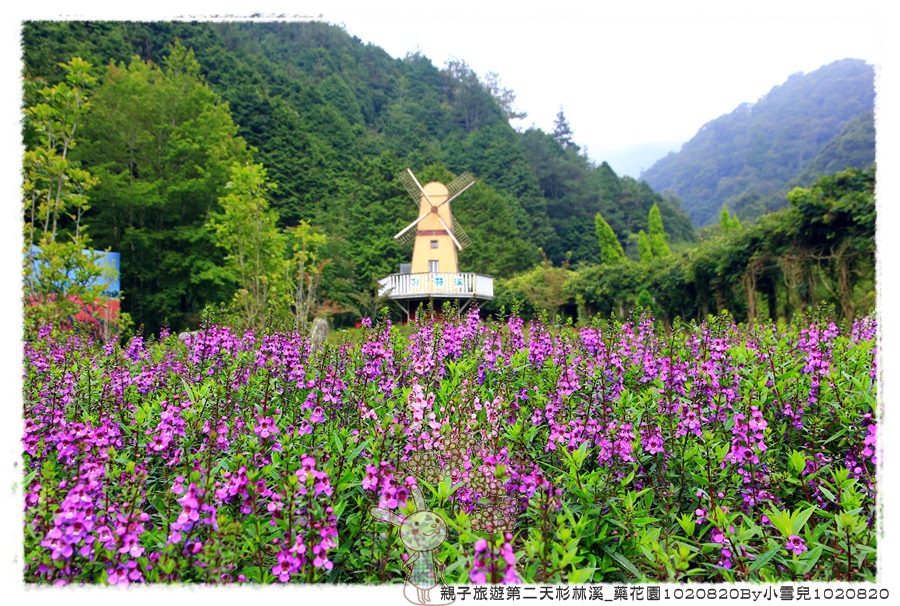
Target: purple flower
pixel 494 562
pixel 795 544
pixel 287 563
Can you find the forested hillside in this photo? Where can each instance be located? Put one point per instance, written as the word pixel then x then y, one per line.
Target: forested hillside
pixel 333 121
pixel 813 124
pixel 254 166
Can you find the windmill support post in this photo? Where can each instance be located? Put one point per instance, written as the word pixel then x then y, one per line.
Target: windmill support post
pixel 405 310
pixel 407 306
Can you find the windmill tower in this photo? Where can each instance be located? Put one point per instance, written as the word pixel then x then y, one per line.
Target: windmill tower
pixel 437 235
pixel 437 239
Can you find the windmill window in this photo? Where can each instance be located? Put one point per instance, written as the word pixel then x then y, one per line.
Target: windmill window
pixel 434 244
pixel 432 267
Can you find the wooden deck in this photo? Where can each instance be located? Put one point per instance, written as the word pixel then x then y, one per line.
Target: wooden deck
pixel 437 285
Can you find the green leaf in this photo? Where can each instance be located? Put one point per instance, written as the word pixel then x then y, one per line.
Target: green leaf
pixel 688 523
pixel 781 520
pixel 624 562
pixel 357 450
pixel 582 575
pixel 809 559
pixel 29 478
pixel 644 520
pixel 253 573
pixel 798 461
pixel 799 519
pixel 764 559
pixel 834 437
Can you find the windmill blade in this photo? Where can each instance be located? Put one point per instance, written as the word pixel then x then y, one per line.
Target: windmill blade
pixel 460 234
pixel 411 225
pixel 413 187
pixel 460 184
pixel 449 232
pixel 406 238
pixel 460 190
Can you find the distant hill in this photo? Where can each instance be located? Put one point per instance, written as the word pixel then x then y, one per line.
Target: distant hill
pixel 811 125
pixel 632 161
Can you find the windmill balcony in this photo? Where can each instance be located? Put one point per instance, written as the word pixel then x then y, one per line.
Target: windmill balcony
pixel 437 285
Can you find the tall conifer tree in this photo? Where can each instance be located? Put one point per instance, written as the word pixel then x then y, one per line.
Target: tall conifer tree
pixel 610 249
pixel 658 243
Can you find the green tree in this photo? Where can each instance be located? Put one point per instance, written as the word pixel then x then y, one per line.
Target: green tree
pixel 610 249
pixel 645 251
pixel 725 220
pixel 60 280
pixel 833 223
pixel 504 97
pixel 606 289
pixel 645 300
pixel 728 222
pixel 541 288
pixel 247 230
pixel 474 107
pixel 562 132
pixel 277 274
pixel 304 272
pixel 658 243
pixel 162 143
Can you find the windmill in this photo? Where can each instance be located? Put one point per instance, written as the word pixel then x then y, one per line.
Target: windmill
pixel 437 235
pixel 434 272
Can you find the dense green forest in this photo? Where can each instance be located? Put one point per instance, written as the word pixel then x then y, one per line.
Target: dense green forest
pixel 818 250
pixel 194 132
pixel 814 124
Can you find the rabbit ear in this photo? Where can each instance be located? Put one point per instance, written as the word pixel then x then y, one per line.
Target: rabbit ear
pixel 418 497
pixel 386 516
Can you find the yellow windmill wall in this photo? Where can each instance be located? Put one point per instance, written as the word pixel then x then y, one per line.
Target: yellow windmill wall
pixel 430 229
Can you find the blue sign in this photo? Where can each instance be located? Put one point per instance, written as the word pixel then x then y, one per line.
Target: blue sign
pixel 109 260
pixel 105 261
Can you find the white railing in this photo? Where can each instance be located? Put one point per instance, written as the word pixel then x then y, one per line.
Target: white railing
pixel 411 286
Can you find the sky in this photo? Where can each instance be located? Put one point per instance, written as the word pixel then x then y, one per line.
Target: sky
pixel 630 74
pixel 633 79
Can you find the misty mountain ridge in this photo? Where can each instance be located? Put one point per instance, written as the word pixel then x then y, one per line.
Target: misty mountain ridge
pixel 813 124
pixel 634 160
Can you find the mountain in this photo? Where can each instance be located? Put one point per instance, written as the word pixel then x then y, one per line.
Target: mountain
pixel 333 120
pixel 632 161
pixel 813 124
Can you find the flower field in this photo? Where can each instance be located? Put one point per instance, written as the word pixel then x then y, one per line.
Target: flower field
pixel 610 453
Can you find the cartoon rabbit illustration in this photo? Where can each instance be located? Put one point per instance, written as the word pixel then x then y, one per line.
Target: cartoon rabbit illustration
pixel 422 533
